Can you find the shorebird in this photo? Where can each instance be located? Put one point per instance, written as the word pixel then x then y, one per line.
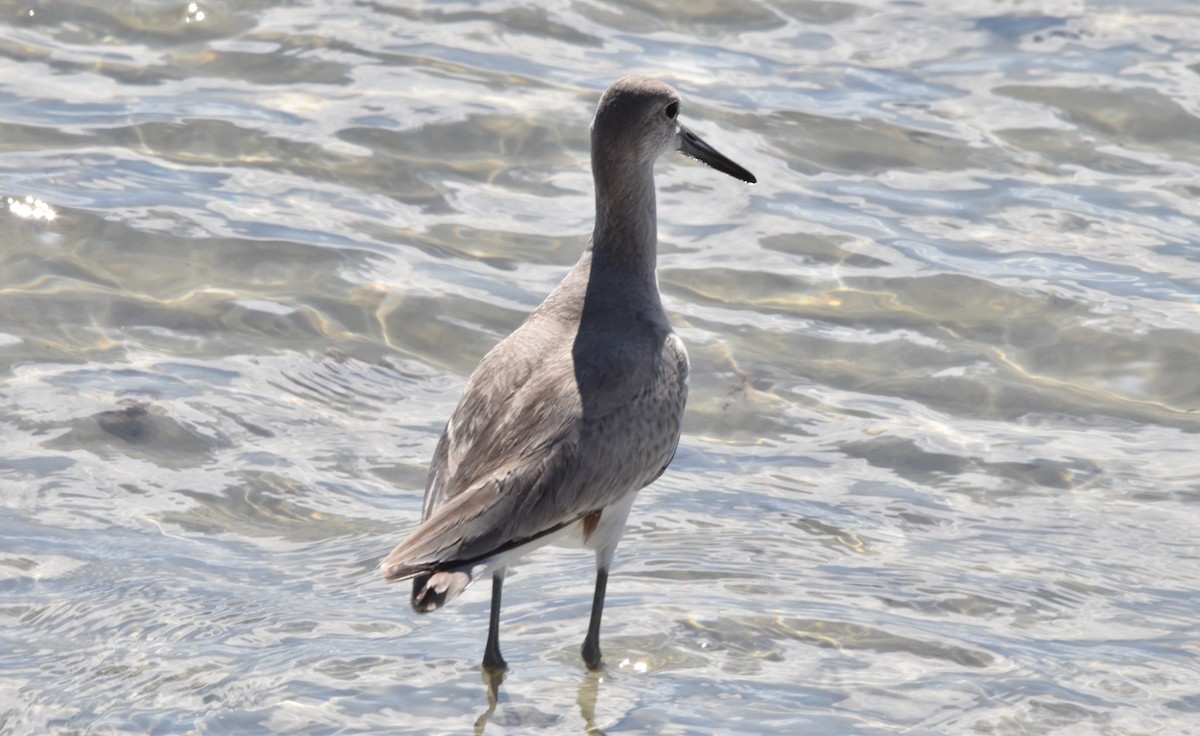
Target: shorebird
pixel 579 408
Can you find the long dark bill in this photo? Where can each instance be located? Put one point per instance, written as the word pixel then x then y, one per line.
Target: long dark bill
pixel 693 145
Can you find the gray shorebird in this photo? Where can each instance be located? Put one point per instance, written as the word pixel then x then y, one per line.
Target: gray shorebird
pixel 579 408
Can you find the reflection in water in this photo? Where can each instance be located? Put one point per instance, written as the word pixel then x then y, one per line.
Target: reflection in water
pixel 589 693
pixel 492 678
pixel 938 472
pixel 31 208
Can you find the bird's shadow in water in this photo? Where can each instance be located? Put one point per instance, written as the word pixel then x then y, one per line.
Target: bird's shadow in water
pixel 586 698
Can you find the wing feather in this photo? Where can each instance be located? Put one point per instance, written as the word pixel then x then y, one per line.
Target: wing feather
pixel 527 450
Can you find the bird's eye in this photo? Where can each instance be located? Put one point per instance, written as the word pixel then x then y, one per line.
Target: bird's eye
pixel 672 110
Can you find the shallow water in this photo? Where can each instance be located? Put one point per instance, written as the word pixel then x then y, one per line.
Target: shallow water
pixel 939 471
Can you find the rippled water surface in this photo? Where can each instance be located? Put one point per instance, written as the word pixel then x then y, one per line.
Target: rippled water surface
pixel 941 465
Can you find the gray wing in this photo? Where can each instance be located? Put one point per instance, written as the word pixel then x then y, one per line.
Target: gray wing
pixel 520 401
pixel 509 466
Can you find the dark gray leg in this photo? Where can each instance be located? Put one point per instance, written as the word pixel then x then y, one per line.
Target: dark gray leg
pixel 591 645
pixel 492 659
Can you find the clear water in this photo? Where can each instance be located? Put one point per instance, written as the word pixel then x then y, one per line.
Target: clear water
pixel 940 471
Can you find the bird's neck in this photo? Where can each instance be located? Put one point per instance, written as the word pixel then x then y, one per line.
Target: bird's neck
pixel 625 239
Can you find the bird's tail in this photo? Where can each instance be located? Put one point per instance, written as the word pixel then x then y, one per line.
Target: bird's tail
pixel 431 591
